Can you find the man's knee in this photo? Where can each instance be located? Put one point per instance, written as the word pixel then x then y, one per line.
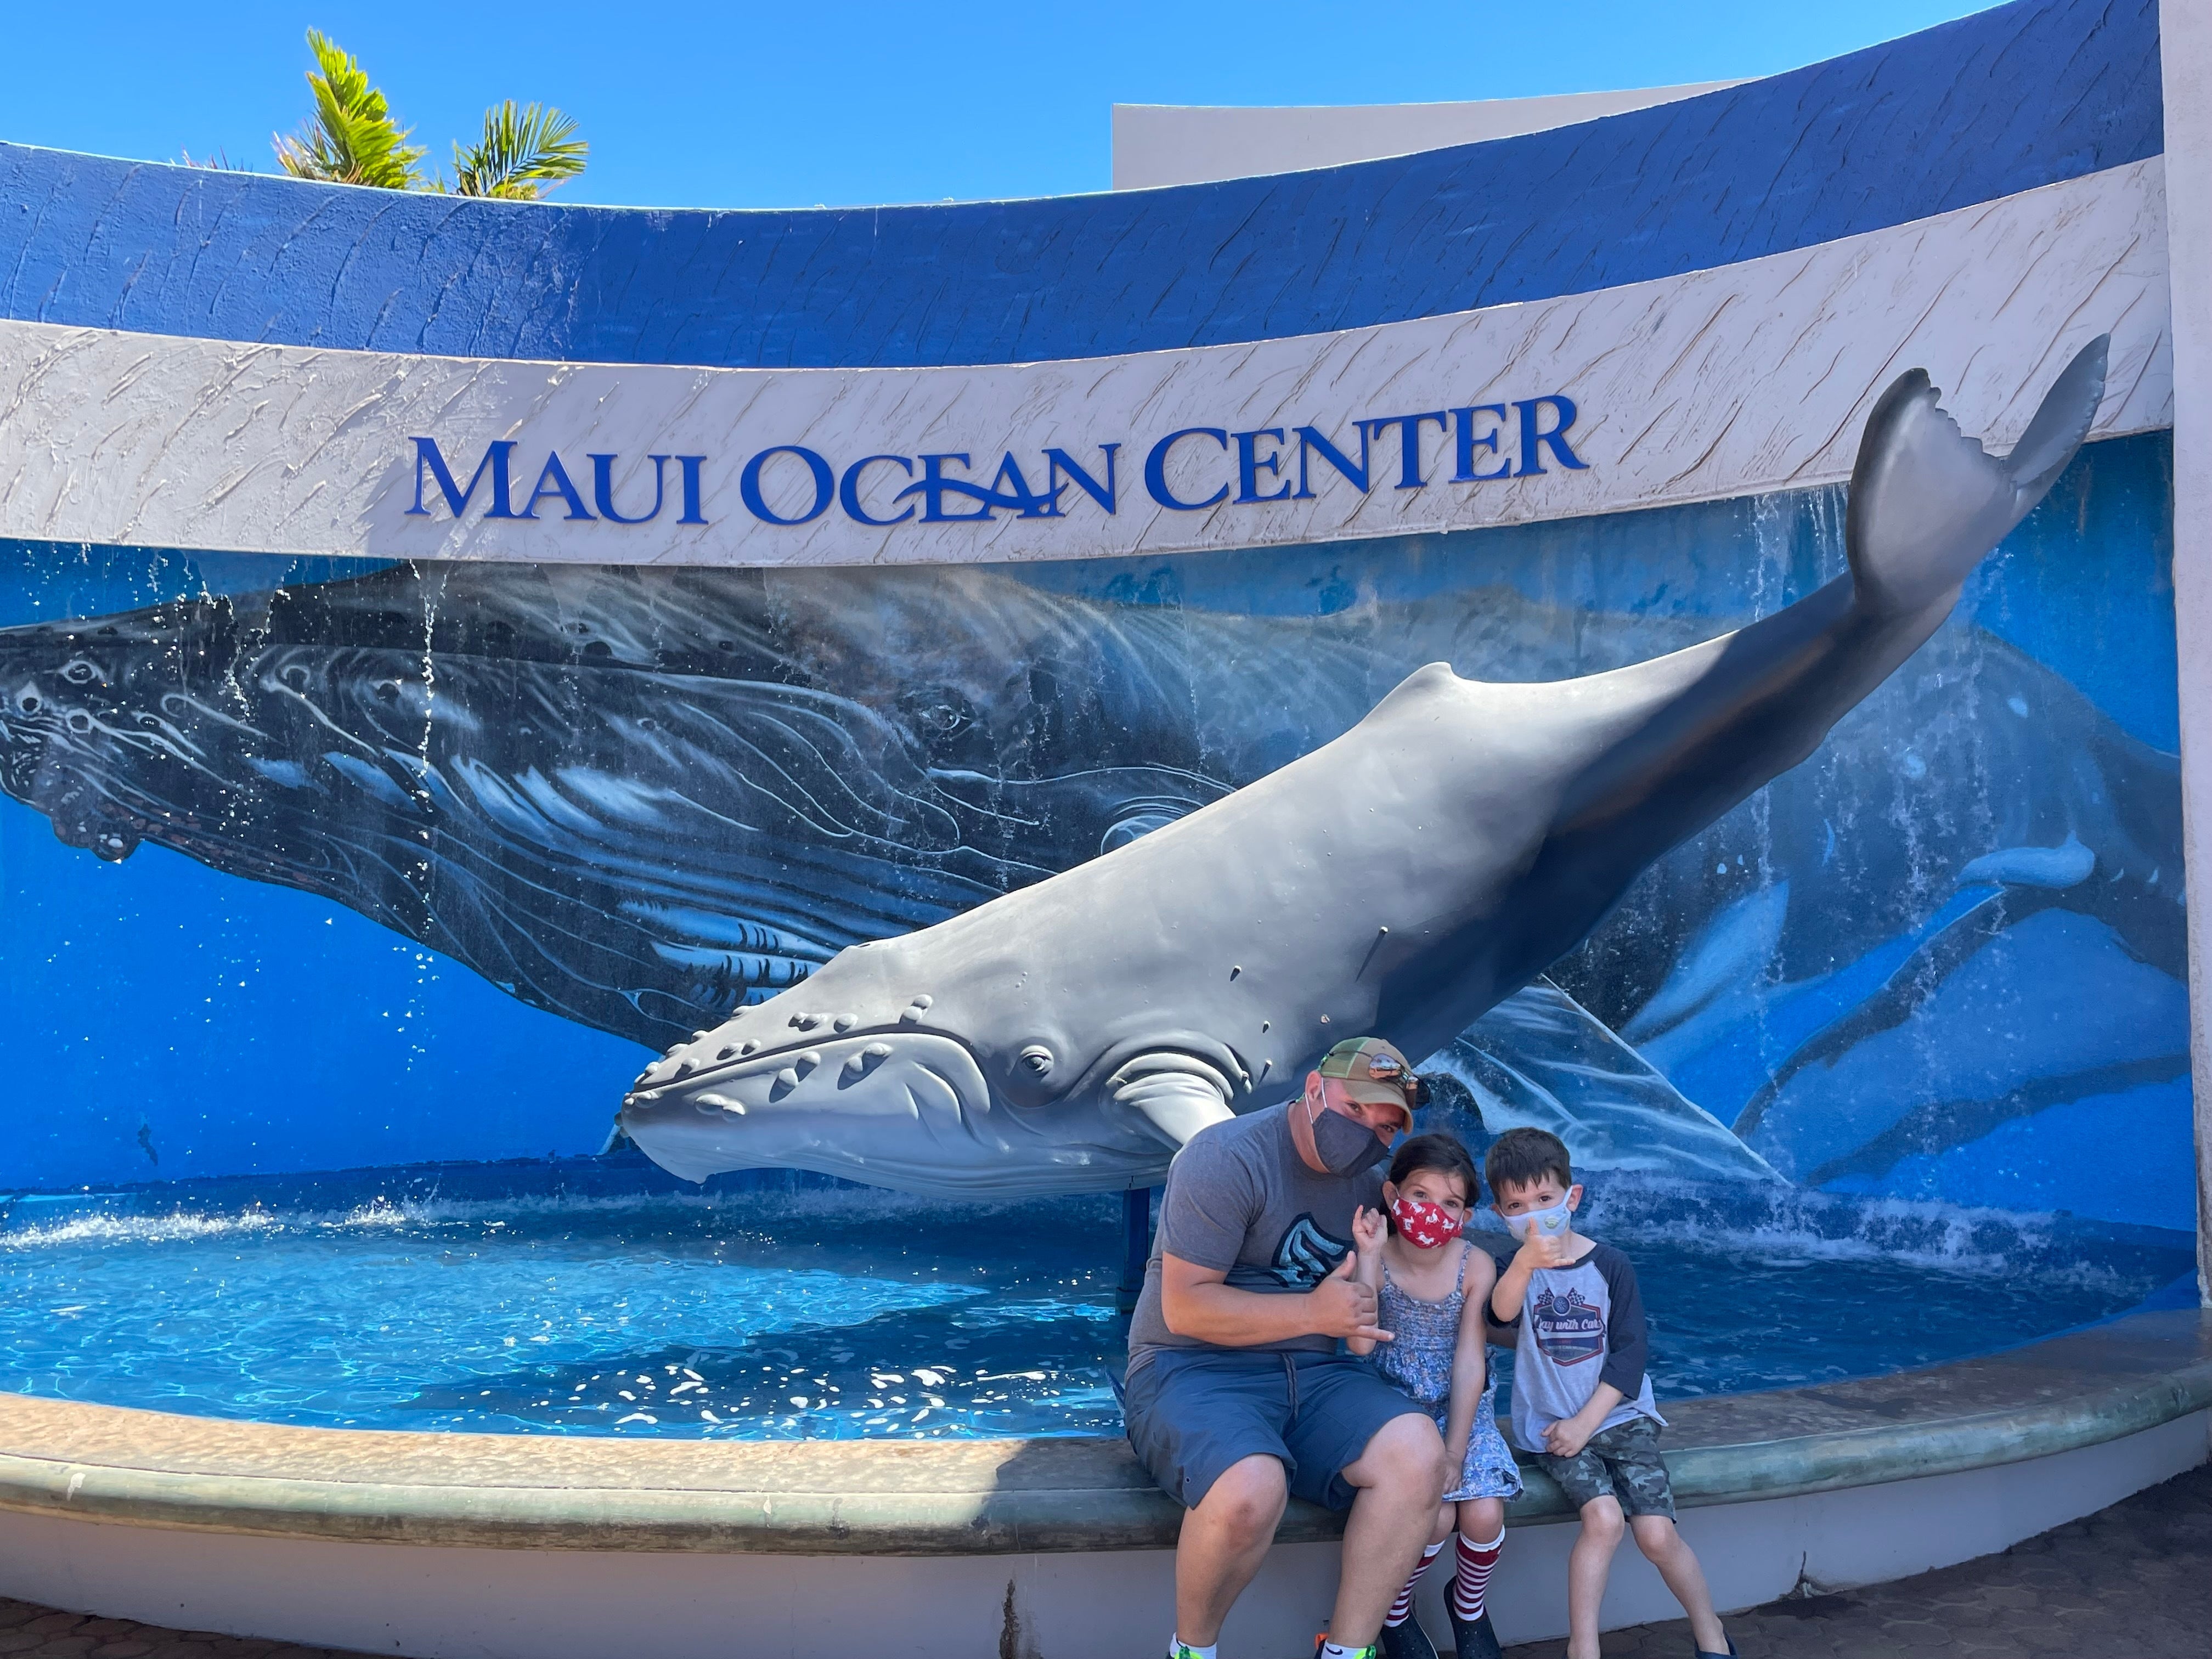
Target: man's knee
pixel 1406 1454
pixel 1247 1498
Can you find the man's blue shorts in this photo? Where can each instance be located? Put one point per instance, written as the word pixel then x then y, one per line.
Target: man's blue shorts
pixel 1192 1412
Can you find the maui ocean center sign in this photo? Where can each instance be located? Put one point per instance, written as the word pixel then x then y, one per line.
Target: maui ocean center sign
pixel 1749 378
pixel 1193 469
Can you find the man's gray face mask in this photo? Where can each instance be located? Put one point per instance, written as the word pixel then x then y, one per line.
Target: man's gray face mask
pixel 1344 1147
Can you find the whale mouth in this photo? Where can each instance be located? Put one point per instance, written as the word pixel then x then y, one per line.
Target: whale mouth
pixel 905 1108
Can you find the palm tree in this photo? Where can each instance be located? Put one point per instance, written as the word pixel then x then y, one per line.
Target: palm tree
pixel 523 154
pixel 351 139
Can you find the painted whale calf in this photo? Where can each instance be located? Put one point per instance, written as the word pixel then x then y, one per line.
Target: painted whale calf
pixel 1401 879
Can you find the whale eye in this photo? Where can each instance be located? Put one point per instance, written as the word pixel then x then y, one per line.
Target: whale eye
pixel 1037 1059
pixel 78 721
pixel 80 672
pixel 30 702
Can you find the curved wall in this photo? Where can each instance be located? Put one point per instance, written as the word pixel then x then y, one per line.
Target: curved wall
pixel 1901 131
pixel 416 858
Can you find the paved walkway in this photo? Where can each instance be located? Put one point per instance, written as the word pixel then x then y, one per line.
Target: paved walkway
pixel 2132 1582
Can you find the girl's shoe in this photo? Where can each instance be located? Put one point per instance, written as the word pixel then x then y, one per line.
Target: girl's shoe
pixel 1474 1639
pixel 1407 1641
pixel 1707 1653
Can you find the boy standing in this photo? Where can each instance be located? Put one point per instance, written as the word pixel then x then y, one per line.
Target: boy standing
pixel 1582 1402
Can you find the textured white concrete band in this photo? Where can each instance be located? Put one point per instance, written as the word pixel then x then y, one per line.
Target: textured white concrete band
pixel 1747 378
pixel 450 1602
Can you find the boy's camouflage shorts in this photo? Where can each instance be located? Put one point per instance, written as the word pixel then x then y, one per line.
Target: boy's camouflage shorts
pixel 1622 1461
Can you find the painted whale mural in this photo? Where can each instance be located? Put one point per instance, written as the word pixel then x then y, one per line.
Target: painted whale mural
pixel 1403 879
pixel 720 778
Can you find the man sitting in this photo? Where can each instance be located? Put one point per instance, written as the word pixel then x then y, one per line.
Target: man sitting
pixel 1237 1394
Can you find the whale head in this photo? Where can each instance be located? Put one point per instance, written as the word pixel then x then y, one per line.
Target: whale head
pixel 99 732
pixel 858 1071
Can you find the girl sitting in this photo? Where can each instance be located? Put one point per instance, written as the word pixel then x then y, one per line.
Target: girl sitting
pixel 1432 1287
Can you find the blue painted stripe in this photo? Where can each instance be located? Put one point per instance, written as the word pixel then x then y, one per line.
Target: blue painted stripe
pixel 2024 95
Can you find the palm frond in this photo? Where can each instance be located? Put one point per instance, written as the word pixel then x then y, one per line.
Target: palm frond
pixel 351 138
pixel 525 152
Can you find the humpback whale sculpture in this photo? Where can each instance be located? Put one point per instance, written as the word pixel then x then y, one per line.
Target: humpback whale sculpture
pixel 1402 878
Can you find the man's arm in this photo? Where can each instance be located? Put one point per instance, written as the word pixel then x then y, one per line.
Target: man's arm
pixel 1198 1303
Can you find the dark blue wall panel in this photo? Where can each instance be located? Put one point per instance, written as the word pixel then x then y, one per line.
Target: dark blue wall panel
pixel 2020 96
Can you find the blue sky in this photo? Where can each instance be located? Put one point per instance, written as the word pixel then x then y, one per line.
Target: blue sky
pixel 843 101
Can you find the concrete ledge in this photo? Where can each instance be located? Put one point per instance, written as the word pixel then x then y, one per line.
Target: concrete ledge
pixel 1013 1497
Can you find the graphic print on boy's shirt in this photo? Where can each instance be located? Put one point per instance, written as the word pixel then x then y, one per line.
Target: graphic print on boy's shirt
pixel 1568 1328
pixel 1590 1310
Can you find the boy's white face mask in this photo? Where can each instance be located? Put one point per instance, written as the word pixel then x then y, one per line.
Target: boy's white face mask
pixel 1549 1223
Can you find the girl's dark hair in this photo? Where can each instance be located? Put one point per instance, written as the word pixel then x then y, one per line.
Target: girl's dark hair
pixel 1443 1153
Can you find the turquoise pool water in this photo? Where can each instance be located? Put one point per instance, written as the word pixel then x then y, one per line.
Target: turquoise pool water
pixel 831 1313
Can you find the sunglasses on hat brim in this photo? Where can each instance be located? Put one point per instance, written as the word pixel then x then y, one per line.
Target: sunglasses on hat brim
pixel 1382 1068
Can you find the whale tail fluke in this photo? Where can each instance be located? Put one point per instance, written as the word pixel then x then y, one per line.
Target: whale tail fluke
pixel 1926 501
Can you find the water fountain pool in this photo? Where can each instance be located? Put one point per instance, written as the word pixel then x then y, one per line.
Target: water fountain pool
pixel 814 1311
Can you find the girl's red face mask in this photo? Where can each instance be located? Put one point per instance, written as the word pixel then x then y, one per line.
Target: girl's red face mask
pixel 1425 1227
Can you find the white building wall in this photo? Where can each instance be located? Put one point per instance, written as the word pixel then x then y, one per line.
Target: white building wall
pixel 2185 47
pixel 1189 144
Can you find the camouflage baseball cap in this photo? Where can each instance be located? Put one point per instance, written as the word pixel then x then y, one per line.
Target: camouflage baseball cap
pixel 1371 1069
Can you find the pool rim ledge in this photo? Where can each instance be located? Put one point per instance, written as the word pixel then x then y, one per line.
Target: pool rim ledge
pixel 157 1469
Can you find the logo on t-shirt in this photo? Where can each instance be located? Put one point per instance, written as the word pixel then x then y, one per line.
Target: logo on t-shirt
pixel 1569 1330
pixel 1305 1256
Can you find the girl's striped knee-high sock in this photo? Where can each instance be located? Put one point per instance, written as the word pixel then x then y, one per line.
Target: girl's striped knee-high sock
pixel 1473 1565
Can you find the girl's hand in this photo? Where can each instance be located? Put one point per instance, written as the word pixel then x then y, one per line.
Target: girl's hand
pixel 1367 1231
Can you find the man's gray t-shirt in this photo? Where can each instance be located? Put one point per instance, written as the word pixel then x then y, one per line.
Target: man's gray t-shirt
pixel 1240 1199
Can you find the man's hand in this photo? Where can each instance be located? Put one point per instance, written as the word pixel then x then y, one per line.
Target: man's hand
pixel 1341 1306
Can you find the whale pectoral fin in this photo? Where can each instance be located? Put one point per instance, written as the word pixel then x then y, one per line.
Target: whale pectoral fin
pixel 1178 1104
pixel 1926 501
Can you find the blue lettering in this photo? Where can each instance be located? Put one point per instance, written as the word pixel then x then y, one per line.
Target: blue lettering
pixel 1032 505
pixel 690 464
pixel 1409 443
pixel 1156 469
pixel 553 481
pixel 848 491
pixel 1310 440
pixel 603 488
pixel 1249 461
pixel 1056 462
pixel 1532 437
pixel 1469 439
pixel 496 457
pixel 935 485
pixel 749 485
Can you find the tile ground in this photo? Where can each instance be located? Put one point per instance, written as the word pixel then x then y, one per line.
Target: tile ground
pixel 2132 1582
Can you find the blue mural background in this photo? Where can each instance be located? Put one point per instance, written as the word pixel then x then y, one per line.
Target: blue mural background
pixel 1938 962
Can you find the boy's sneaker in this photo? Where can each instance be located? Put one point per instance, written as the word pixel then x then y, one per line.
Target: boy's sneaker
pixel 1407 1641
pixel 1475 1638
